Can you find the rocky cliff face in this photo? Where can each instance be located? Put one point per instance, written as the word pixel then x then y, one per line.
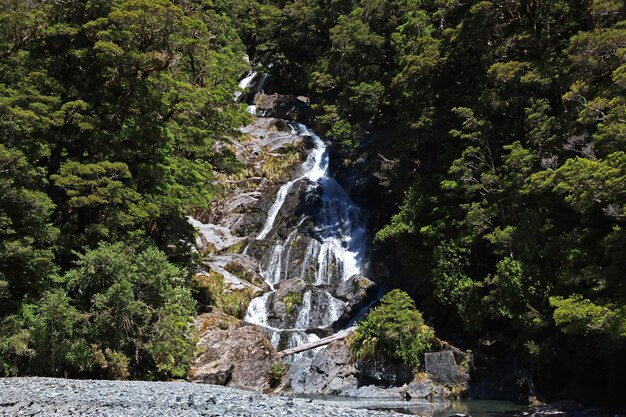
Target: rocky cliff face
pixel 285 249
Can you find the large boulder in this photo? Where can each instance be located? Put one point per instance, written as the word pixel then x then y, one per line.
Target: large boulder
pixel 331 372
pixel 286 307
pixel 357 292
pixel 232 354
pixel 386 373
pixel 287 299
pixel 284 107
pixel 442 367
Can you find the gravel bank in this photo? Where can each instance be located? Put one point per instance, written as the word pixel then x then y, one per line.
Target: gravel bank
pixel 66 397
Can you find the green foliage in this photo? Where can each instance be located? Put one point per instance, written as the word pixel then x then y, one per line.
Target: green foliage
pixel 108 116
pixel 577 315
pixel 14 345
pixel 139 306
pixel 55 328
pixel 277 373
pixel 497 132
pixel 395 329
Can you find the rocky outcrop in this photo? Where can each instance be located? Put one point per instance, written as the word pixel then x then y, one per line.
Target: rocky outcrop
pixel 357 292
pixel 269 150
pixel 214 238
pixel 334 371
pixel 284 107
pixel 386 373
pixel 232 354
pixel 442 366
pixel 239 271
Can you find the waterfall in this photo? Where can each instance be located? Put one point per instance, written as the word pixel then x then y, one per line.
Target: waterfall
pixel 333 256
pixel 303 269
pixel 314 169
pixel 245 83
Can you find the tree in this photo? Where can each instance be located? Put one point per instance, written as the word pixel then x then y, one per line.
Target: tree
pixel 55 328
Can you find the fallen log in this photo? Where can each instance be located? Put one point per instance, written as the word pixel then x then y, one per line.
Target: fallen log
pixel 324 341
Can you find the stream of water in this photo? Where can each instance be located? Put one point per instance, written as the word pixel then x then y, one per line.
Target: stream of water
pixel 334 254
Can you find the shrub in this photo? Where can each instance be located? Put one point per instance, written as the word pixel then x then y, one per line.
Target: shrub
pixel 277 372
pixel 393 330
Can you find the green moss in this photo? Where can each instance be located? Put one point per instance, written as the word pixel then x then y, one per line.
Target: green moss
pixel 291 300
pixel 239 270
pixel 237 247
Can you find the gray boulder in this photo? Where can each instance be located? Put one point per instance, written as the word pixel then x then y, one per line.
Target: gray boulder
pixel 232 354
pixel 357 292
pixel 443 368
pixel 383 372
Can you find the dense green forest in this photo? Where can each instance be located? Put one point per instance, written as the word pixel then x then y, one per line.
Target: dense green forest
pixel 497 130
pixel 108 110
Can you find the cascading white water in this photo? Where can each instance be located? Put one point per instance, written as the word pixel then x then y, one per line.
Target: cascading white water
pixel 245 83
pixel 313 169
pixel 335 255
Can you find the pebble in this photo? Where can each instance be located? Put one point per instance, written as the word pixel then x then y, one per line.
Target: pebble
pixel 50 397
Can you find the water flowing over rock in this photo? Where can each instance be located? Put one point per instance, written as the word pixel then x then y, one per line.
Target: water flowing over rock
pixel 314 239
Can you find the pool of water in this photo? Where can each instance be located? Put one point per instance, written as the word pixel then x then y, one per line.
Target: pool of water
pixel 424 408
pixel 474 408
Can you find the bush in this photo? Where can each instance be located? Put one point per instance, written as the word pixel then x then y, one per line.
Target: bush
pixel 277 372
pixel 393 330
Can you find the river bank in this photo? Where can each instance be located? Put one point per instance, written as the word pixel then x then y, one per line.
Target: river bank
pixel 68 397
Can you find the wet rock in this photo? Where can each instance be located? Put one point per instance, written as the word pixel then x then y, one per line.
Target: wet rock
pixel 357 291
pixel 286 300
pixel 301 204
pixel 232 354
